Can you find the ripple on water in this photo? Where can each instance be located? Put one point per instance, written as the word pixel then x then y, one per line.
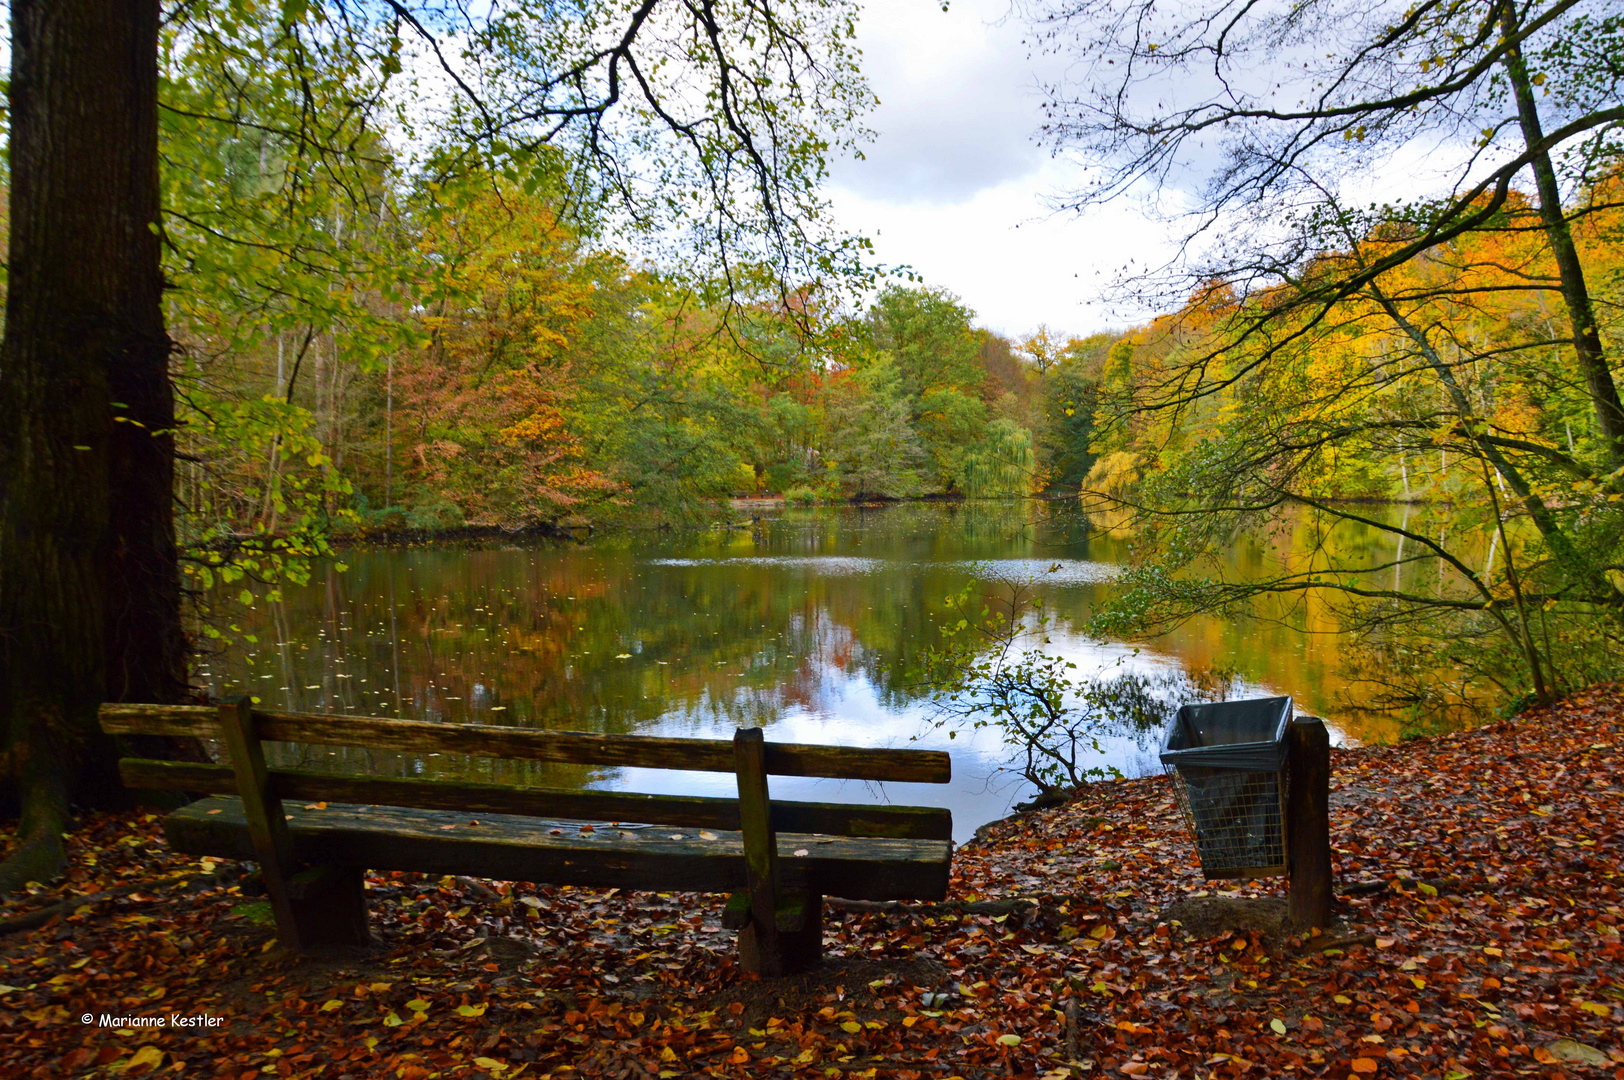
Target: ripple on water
pixel 1036 571
pixel 1042 571
pixel 823 564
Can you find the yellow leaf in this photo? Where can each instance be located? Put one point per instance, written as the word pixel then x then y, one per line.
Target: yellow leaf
pixel 668 1054
pixel 418 1005
pixel 147 1055
pixel 1595 1007
pixel 472 1010
pixel 490 1064
pixel 1426 890
pixel 851 1027
pixel 1278 1026
pixel 1009 1040
pixel 392 1019
pixel 329 1006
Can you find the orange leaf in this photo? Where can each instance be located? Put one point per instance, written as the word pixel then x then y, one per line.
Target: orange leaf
pixel 1364 1065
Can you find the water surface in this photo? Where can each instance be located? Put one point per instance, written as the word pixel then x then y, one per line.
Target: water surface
pixel 802 622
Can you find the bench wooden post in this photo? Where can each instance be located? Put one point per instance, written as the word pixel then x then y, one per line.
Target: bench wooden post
pixel 759 948
pixel 267 827
pixel 780 932
pixel 315 908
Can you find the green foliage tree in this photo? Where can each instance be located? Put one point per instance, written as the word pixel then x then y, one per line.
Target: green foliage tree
pixel 928 335
pixel 1069 399
pixel 871 448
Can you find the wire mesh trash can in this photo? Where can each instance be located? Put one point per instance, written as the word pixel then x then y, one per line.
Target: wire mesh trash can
pixel 1228 764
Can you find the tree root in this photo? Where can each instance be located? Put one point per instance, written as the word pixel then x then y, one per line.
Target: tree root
pixel 39 858
pixel 28 920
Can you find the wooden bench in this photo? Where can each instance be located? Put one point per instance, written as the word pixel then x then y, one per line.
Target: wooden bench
pixel 777 859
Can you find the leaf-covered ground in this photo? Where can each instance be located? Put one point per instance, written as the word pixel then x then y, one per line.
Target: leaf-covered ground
pixel 1479 877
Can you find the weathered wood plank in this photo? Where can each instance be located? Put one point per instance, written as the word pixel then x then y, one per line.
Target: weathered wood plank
pixel 846 819
pixel 760 855
pixel 119 718
pixel 145 774
pixel 262 815
pixel 899 822
pixel 509 848
pixel 571 747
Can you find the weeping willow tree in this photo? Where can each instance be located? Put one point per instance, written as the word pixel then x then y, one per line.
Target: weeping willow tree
pixel 1002 464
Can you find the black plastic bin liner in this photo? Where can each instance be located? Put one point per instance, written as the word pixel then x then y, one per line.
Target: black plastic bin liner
pixel 1230 758
pixel 1249 735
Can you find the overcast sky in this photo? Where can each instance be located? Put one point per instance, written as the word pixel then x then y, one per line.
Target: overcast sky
pixel 955 180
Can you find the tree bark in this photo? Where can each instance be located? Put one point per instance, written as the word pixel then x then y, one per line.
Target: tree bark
pixel 81 568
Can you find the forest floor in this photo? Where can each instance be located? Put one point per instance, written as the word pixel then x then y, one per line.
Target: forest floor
pixel 1479 935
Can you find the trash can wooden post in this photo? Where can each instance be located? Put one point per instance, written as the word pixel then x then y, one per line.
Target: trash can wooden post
pixel 1308 824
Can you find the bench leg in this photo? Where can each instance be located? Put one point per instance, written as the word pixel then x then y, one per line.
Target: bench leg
pixel 803 947
pixel 800 940
pixel 329 907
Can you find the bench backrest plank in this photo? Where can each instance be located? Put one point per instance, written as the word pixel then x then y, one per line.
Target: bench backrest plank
pixel 570 747
pixel 690 811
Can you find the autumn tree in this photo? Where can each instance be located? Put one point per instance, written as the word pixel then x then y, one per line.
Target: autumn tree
pixel 1329 345
pixel 704 127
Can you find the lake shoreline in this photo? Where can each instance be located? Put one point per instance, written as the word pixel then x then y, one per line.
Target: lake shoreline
pixel 584 531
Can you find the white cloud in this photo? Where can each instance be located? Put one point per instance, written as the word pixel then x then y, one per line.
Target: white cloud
pixel 1009 259
pixel 958 101
pixel 954 184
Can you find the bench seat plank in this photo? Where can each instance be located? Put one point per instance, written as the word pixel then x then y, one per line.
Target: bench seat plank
pixel 510 848
pixel 698 811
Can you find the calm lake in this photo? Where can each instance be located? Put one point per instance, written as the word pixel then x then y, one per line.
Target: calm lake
pixel 795 622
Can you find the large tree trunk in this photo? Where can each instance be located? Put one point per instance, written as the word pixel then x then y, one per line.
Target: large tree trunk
pixel 85 511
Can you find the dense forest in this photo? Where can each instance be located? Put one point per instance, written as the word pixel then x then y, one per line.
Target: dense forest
pixel 361 346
